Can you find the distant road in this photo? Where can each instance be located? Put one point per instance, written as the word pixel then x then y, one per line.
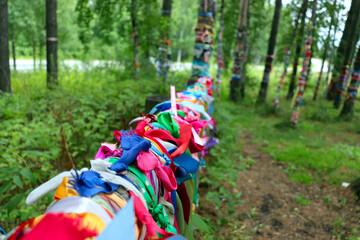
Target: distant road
pixel 315 66
pixel 28 65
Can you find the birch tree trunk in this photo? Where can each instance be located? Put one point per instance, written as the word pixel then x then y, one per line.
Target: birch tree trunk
pixel 270 52
pixel 246 51
pixel 349 103
pixel 327 41
pixel 299 43
pixel 305 65
pixel 13 50
pixel 204 39
pixel 343 54
pixel 165 44
pixel 331 60
pixel 288 50
pixel 5 83
pixel 178 59
pixel 51 43
pixel 219 57
pixel 34 54
pixel 135 37
pixel 352 23
pixel 237 77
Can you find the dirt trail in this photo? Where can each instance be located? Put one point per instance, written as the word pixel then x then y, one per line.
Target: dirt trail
pixel 276 208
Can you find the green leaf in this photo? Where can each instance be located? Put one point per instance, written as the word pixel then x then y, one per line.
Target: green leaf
pixel 9 170
pixel 26 173
pixel 37 154
pixel 200 223
pixel 5 187
pixel 17 181
pixel 13 203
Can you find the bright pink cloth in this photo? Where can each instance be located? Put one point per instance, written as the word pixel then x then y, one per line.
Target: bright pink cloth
pixel 108 150
pixel 61 227
pixel 147 161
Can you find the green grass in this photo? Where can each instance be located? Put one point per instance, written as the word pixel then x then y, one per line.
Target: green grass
pixel 321 148
pixel 301 200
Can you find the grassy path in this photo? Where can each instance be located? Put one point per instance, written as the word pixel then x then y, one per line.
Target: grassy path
pixel 266 180
pixel 276 208
pixel 282 209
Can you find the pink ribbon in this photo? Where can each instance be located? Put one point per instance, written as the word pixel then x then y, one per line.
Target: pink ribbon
pixel 108 150
pixel 147 161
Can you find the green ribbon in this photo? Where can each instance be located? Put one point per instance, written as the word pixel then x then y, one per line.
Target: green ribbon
pixel 181 113
pixel 113 160
pixel 158 125
pixel 169 123
pixel 156 210
pixel 161 218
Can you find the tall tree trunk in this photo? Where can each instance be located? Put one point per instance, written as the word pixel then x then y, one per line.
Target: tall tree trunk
pixel 322 66
pixel 308 70
pixel 219 57
pixel 34 54
pixel 327 41
pixel 204 39
pixel 40 54
pixel 165 44
pixel 349 103
pixel 299 43
pixel 270 52
pixel 343 54
pixel 246 52
pixel 329 68
pixel 288 50
pixel 354 16
pixel 135 37
pixel 179 49
pixel 305 65
pixel 13 51
pixel 331 59
pixel 240 54
pixel 350 71
pixel 5 83
pixel 51 44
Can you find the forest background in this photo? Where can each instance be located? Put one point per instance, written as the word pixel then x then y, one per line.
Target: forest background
pixel 41 129
pixel 105 33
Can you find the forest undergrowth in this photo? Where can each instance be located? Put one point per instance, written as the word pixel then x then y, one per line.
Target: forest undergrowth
pixel 42 132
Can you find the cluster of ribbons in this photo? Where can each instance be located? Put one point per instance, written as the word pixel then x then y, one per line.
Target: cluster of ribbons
pixel 164 58
pixel 268 67
pixel 142 187
pixel 203 44
pixel 342 83
pixel 220 62
pixel 302 82
pixel 355 82
pixel 275 101
pixel 240 56
pixel 297 101
pixel 238 70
